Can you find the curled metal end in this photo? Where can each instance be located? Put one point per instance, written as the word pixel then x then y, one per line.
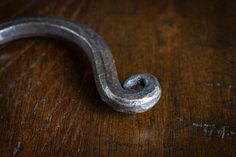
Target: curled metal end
pixel 122 98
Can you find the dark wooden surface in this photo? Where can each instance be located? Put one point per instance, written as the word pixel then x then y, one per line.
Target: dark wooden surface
pixel 49 105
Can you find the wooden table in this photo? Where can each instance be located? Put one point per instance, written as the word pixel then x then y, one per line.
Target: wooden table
pixel 49 105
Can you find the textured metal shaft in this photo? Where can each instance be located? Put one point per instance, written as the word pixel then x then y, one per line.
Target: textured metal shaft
pixel 122 98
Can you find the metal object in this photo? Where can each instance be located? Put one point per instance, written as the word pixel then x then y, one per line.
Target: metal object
pixel 120 98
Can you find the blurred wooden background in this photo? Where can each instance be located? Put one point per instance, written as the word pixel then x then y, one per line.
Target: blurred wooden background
pixel 49 105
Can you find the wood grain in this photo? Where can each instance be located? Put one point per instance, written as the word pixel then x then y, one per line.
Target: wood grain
pixel 49 105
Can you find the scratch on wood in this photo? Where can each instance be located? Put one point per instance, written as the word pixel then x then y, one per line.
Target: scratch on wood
pixel 54 133
pixel 77 11
pixel 218 85
pixel 78 151
pixel 39 103
pixel 25 73
pixel 71 124
pixel 4 57
pixel 73 119
pixel 14 59
pixel 18 149
pixel 49 116
pixel 58 103
pixel 42 78
pixel 210 129
pixel 46 144
pixel 38 83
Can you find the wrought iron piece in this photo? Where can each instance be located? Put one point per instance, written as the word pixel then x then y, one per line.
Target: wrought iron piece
pixel 122 98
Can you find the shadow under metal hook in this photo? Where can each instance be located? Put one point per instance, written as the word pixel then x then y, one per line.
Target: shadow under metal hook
pixel 122 98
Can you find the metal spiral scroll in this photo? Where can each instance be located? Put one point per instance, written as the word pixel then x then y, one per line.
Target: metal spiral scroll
pixel 122 98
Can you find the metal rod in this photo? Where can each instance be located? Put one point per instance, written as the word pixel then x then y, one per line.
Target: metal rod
pixel 122 98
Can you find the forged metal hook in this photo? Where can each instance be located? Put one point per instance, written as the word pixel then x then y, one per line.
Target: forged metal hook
pixel 121 98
